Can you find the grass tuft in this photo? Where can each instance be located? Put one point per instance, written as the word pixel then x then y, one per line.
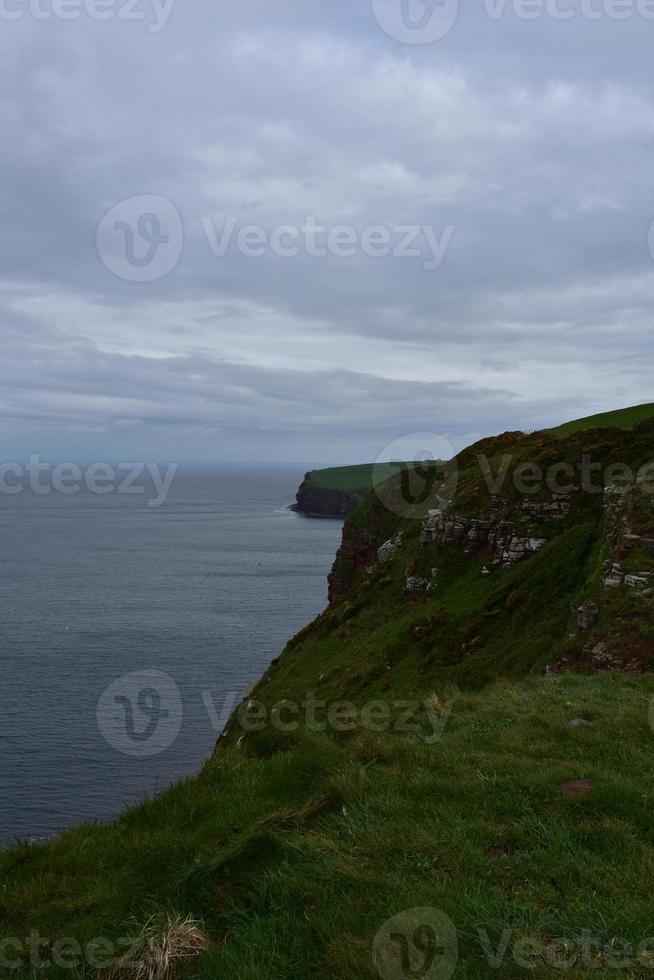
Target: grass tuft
pixel 163 949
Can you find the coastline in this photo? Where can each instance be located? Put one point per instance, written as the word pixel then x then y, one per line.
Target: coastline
pixel 316 500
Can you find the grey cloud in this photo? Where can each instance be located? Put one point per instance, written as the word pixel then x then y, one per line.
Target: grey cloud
pixel 533 139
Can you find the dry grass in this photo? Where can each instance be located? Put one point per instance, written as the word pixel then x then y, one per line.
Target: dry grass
pixel 162 950
pixel 433 704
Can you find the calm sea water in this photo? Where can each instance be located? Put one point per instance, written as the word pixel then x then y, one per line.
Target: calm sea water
pixel 206 589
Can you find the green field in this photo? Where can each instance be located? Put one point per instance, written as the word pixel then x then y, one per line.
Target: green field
pixel 624 418
pixel 356 479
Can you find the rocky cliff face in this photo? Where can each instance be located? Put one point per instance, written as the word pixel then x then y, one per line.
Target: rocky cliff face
pixel 363 533
pixel 314 500
pixel 571 569
pixel 357 552
pixel 612 629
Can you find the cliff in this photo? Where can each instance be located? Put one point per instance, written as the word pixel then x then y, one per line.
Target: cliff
pixel 338 490
pixel 450 761
pixel 527 553
pixel 315 500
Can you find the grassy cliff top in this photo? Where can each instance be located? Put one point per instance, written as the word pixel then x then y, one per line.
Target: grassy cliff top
pixel 363 477
pixel 623 418
pixel 357 479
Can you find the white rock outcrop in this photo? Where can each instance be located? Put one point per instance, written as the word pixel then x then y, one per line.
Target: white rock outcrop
pixel 389 549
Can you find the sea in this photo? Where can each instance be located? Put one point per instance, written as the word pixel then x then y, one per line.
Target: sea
pixel 118 618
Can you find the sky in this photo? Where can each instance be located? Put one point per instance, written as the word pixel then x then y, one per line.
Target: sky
pixel 303 232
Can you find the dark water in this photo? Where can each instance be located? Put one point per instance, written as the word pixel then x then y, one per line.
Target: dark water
pixel 205 589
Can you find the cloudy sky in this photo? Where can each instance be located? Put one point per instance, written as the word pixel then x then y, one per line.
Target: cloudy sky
pixel 162 294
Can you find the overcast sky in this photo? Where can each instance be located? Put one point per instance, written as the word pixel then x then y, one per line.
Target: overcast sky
pixel 146 329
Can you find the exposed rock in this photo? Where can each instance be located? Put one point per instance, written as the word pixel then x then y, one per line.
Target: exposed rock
pixel 640 581
pixel 613 498
pixel 508 550
pixel 477 533
pixel 313 500
pixel 439 526
pixel 577 723
pixel 603 660
pixel 600 657
pixel 414 583
pixel 389 549
pixel 556 509
pixel 358 551
pixel 614 579
pixel 586 615
pixel 623 507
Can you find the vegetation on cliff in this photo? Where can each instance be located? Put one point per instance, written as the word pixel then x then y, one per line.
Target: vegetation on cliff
pixel 293 862
pixel 622 418
pixel 465 729
pixel 338 490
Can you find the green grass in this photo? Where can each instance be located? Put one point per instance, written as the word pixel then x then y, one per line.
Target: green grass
pixel 292 848
pixel 357 479
pixel 470 631
pixel 363 477
pixel 294 863
pixel 624 418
